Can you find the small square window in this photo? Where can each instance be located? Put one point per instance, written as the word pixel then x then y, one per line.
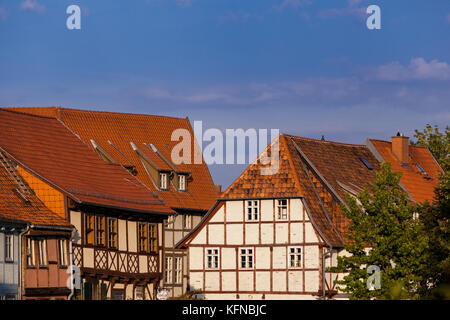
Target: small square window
pixel 295 257
pixel 252 210
pixel 212 258
pixel 247 258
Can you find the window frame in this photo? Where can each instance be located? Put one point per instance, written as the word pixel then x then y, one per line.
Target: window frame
pixel 184 189
pixel 278 206
pixel 9 248
pixel 142 226
pixel 114 234
pixel 252 204
pixel 297 255
pixel 42 252
pixel 215 258
pixel 102 230
pixel 166 179
pixel 87 231
pixel 62 253
pixel 168 270
pixel 177 270
pixel 136 292
pixel 247 254
pixel 153 245
pixel 187 222
pixel 30 246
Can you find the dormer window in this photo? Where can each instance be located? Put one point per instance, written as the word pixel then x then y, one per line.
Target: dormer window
pixel 163 180
pixel 182 182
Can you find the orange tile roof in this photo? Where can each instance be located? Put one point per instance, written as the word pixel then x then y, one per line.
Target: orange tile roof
pixel 123 128
pixel 44 147
pixel 14 208
pixel 419 187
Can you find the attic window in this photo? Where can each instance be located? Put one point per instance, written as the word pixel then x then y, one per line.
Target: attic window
pixel 163 177
pixel 182 182
pixel 366 163
pixel 422 171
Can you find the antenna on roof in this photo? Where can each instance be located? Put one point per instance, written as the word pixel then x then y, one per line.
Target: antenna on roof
pixel 323 138
pixel 121 153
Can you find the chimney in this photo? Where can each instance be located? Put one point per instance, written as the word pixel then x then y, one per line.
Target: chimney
pixel 219 188
pixel 400 148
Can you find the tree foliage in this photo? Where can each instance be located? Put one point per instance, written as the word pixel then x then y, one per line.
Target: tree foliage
pixel 382 233
pixel 437 142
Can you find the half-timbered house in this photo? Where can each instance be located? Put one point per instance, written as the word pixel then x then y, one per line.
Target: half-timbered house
pixel 118 247
pixel 34 242
pixel 273 234
pixel 143 144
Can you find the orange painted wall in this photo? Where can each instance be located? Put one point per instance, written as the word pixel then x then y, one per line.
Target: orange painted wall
pixel 52 198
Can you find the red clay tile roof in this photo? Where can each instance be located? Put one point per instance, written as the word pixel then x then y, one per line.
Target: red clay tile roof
pixel 419 188
pixel 45 148
pixel 14 208
pixel 123 128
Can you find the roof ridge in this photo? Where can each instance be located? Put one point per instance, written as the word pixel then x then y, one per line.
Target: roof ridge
pixel 27 113
pixel 325 141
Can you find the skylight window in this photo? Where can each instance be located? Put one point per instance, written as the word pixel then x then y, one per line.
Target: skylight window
pixel 422 171
pixel 366 163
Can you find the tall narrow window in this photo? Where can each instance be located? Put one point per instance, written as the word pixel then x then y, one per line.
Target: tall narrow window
pixel 139 293
pixel 295 257
pixel 212 258
pixel 252 210
pixel 100 235
pixel 62 249
pixel 169 270
pixel 282 209
pixel 143 237
pixel 9 248
pixel 163 177
pixel 178 276
pixel 170 222
pixel 89 229
pixel 187 222
pixel 246 258
pixel 112 233
pixel 31 262
pixel 153 228
pixel 42 252
pixel 182 182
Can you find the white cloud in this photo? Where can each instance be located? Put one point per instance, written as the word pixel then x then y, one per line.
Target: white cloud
pixel 418 69
pixel 32 5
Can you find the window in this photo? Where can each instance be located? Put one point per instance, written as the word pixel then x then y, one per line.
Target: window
pixel 178 270
pixel 169 270
pixel 153 237
pixel 9 248
pixel 295 257
pixel 142 237
pixel 170 222
pixel 89 229
pixel 163 181
pixel 282 209
pixel 31 262
pixel 187 222
pixel 139 293
pixel 182 182
pixel 117 294
pixel 422 171
pixel 212 258
pixel 100 235
pixel 62 249
pixel 42 252
pixel 246 258
pixel 112 233
pixel 252 210
pixel 366 163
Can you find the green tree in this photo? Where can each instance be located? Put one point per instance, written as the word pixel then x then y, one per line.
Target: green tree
pixel 437 142
pixel 436 220
pixel 382 233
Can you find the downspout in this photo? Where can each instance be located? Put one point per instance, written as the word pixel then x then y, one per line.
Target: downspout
pixel 72 287
pixel 328 254
pixel 27 228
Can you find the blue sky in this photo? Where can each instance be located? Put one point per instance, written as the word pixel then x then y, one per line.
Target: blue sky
pixel 306 67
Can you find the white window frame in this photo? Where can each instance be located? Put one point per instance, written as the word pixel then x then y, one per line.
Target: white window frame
pixel 187 222
pixel 9 247
pixel 42 253
pixel 279 215
pixel 246 258
pixel 212 258
pixel 295 255
pixel 251 210
pixel 31 256
pixel 168 270
pixel 182 182
pixel 62 250
pixel 178 270
pixel 163 180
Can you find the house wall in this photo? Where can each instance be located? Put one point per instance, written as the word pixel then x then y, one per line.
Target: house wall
pixel 124 261
pixel 9 271
pixel 271 277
